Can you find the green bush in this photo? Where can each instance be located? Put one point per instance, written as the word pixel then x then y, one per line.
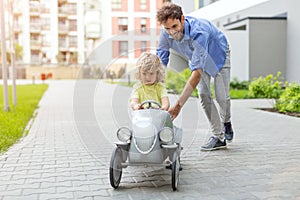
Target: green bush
pixel 235 84
pixel 266 87
pixel 289 101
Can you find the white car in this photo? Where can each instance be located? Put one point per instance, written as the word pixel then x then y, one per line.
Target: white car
pixel 151 141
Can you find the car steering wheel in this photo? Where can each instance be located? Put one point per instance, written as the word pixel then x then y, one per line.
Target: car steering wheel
pixel 150 104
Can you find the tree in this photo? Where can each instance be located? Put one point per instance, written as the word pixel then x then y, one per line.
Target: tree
pixel 18 53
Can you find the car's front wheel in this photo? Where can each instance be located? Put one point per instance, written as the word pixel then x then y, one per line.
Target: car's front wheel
pixel 115 168
pixel 175 171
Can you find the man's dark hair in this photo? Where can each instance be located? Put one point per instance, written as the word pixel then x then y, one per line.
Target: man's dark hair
pixel 168 11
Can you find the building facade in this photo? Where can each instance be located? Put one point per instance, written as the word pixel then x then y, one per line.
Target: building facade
pixel 264 36
pixel 66 32
pixel 51 32
pixel 130 29
pixel 96 34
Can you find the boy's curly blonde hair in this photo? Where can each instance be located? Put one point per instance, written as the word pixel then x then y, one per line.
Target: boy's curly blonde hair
pixel 150 62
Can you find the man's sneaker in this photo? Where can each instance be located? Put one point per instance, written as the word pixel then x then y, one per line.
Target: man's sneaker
pixel 228 132
pixel 213 144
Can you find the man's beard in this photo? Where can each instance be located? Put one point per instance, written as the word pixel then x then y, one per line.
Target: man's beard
pixel 177 36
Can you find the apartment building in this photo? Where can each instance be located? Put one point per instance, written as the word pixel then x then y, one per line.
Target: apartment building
pixel 65 32
pixel 51 32
pixel 131 29
pixel 109 35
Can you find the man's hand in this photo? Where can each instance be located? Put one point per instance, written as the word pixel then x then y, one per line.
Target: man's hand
pixel 174 111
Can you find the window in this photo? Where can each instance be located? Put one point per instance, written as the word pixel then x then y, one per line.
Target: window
pixel 72 25
pixel 45 23
pixel 34 36
pixel 46 39
pixel 62 24
pixel 62 41
pixel 35 40
pixel 143 4
pixel 35 56
pixel 45 6
pixel 73 57
pixel 72 41
pixel 143 25
pixel 116 4
pixel 35 23
pixel 61 56
pixel 123 24
pixel 123 48
pixel 34 6
pixel 143 46
pixel 72 8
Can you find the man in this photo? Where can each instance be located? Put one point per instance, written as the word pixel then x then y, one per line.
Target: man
pixel 209 56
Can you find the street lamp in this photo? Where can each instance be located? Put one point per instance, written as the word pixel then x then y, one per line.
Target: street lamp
pixel 12 51
pixel 4 69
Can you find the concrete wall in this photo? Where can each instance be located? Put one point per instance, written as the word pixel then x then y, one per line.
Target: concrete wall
pixel 267 48
pixel 187 6
pixel 269 8
pixel 239 45
pixel 293 41
pixel 56 72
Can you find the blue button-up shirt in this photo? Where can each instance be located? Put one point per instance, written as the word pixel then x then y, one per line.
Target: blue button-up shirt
pixel 203 44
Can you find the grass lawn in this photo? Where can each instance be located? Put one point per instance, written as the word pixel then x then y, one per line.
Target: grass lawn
pixel 14 122
pixel 238 94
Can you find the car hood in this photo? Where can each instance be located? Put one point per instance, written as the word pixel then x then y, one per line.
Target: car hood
pixel 158 118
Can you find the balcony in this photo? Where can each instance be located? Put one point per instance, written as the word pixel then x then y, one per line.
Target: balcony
pixel 63 46
pixel 34 10
pixel 17 12
pixel 60 2
pixel 63 12
pixel 35 27
pixel 62 29
pixel 35 44
pixel 92 31
pixel 17 28
pixel 35 59
pixel 45 9
pixel 45 27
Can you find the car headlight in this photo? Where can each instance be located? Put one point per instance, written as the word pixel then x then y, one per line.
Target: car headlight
pixel 124 134
pixel 166 135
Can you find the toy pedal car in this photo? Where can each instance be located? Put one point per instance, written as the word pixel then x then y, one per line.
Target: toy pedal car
pixel 152 141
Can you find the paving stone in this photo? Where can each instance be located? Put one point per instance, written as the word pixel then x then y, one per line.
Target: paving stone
pixel 23 197
pixel 67 152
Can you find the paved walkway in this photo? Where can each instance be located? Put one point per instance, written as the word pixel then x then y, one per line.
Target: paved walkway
pixel 68 148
